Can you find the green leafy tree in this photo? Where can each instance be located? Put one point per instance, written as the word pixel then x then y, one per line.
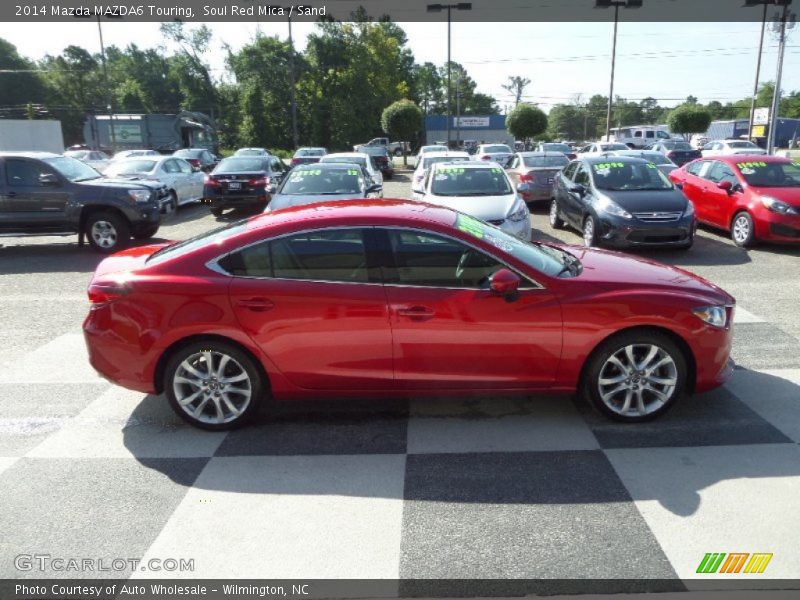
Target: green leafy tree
pixel 402 120
pixel 689 118
pixel 18 85
pixel 526 121
pixel 566 121
pixel 427 88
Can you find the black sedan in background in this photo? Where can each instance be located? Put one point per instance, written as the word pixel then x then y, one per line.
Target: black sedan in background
pixel 198 157
pixel 243 182
pixel 622 201
pixel 677 151
pixel 381 160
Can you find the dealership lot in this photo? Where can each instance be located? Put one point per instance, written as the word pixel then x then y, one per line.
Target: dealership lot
pixel 489 488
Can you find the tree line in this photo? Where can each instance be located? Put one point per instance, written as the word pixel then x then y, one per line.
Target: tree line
pixel 348 74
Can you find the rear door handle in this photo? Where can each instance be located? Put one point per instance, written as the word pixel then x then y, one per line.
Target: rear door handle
pixel 256 304
pixel 421 313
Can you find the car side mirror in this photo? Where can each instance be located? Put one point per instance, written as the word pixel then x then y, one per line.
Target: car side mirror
pixel 523 188
pixel 272 188
pixel 678 185
pixel 725 185
pixel 375 188
pixel 505 283
pixel 577 188
pixel 48 180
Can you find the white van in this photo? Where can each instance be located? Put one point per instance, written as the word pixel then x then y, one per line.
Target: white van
pixel 638 136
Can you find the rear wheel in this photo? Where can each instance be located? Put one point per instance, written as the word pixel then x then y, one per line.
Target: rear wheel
pixel 107 231
pixel 556 222
pixel 213 385
pixel 635 376
pixel 742 231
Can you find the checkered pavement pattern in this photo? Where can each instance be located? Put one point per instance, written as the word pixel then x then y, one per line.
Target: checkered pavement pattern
pixel 495 488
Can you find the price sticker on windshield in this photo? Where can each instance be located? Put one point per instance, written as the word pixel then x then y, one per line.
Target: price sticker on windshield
pixel 651 166
pixel 496 170
pixel 352 172
pixel 750 165
pixel 470 225
pixel 608 166
pixel 452 170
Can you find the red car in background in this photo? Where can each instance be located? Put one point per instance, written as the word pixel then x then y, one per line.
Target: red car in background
pixel 755 198
pixel 394 298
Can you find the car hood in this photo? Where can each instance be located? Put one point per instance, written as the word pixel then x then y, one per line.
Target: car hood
pixel 123 183
pixel 285 200
pixel 790 195
pixel 617 271
pixel 486 208
pixel 648 201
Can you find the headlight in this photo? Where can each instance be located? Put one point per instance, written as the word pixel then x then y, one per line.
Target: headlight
pixel 778 206
pixel 689 209
pixel 609 206
pixel 520 213
pixel 139 196
pixel 713 315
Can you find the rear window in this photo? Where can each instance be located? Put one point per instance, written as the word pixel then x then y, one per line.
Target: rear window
pixel 678 145
pixel 545 161
pixel 188 153
pixel 497 148
pixel 240 165
pixel 556 148
pixel 310 152
pixel 742 145
pixel 129 167
pixel 481 181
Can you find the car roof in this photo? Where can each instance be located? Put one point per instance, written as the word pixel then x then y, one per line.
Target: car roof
pixel 29 154
pixel 346 155
pixel 737 158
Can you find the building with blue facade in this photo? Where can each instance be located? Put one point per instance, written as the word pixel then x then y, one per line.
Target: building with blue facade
pixel 479 128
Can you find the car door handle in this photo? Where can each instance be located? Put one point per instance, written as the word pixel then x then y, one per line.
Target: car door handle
pixel 11 195
pixel 415 312
pixel 256 304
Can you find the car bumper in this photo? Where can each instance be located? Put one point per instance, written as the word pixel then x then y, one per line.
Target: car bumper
pixel 774 227
pixel 246 200
pixel 712 351
pixel 538 193
pixel 627 233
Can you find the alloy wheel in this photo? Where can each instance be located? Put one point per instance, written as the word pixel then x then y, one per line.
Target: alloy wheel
pixel 741 229
pixel 104 234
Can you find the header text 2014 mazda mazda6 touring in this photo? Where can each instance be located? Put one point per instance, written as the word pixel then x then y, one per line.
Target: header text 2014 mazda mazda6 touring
pixel 366 299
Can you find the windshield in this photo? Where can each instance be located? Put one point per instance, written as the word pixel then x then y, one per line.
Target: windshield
pixel 130 167
pixel 545 161
pixel 358 160
pixel 310 152
pixel 478 181
pixel 542 258
pixel 628 176
pixel 215 236
pixel 678 145
pixel 742 145
pixel 770 174
pixel 237 165
pixel 556 148
pixel 72 169
pixel 322 182
pixel 497 148
pixel 432 160
pixel 188 153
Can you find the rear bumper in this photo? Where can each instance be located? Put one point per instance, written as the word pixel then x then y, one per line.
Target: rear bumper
pixel 246 200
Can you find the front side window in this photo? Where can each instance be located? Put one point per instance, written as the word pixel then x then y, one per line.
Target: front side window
pixel 569 172
pixel 338 255
pixel 582 176
pixel 23 173
pixel 428 260
pixel 721 172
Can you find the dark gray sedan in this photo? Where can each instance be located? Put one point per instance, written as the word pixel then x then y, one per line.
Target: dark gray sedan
pixel 622 201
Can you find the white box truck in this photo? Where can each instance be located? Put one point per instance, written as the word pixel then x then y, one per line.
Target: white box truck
pixel 31 135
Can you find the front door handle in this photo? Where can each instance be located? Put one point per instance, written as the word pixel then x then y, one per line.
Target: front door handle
pixel 421 313
pixel 256 304
pixel 11 195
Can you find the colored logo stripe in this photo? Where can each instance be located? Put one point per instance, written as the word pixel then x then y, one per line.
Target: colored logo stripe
pixel 758 562
pixel 734 562
pixel 711 562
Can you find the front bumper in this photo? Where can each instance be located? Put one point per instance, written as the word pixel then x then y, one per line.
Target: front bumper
pixel 627 233
pixel 519 229
pixel 775 227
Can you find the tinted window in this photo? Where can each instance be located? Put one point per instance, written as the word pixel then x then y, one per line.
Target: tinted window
pixel 458 181
pixel 569 172
pixel 545 161
pixel 620 176
pixel 323 181
pixel 582 176
pixel 432 261
pixel 770 174
pixel 338 255
pixel 24 172
pixel 243 164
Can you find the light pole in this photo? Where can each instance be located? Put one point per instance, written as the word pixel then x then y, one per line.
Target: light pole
pixel 758 62
pixel 776 95
pixel 616 4
pixel 109 106
pixel 449 8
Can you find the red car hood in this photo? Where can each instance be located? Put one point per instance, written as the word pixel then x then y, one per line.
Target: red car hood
pixel 613 270
pixel 790 195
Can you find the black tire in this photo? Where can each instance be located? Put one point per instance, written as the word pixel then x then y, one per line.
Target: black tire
pixel 743 231
pixel 589 232
pixel 211 391
pixel 556 222
pixel 106 231
pixel 146 234
pixel 172 203
pixel 597 366
pixel 398 152
pixel 216 211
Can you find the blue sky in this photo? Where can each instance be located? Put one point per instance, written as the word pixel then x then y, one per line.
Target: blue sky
pixel 665 60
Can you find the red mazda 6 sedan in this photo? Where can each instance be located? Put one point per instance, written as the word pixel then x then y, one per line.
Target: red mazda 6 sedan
pixel 756 198
pixel 395 298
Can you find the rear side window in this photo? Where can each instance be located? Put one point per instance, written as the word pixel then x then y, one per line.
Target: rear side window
pixel 331 255
pixel 24 172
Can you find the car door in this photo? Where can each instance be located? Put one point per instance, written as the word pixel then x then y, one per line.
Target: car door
pixel 450 332
pixel 194 179
pixel 513 170
pixel 573 207
pixel 35 195
pixel 171 171
pixel 563 181
pixel 720 202
pixel 314 303
pixel 277 170
pixel 692 186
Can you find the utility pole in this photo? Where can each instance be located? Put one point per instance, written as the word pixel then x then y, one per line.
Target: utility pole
pixel 295 137
pixel 758 73
pixel 776 96
pixel 109 105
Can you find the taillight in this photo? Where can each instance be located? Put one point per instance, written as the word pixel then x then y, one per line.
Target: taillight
pixel 103 293
pixel 258 182
pixel 295 161
pixel 671 154
pixel 212 182
pixel 526 178
pixel 193 161
pixel 486 157
pixel 572 156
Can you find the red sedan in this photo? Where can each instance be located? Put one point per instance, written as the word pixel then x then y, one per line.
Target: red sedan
pixel 756 198
pixel 366 299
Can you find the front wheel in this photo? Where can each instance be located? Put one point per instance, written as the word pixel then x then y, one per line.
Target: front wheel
pixel 107 231
pixel 213 385
pixel 589 232
pixel 635 376
pixel 742 231
pixel 556 222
